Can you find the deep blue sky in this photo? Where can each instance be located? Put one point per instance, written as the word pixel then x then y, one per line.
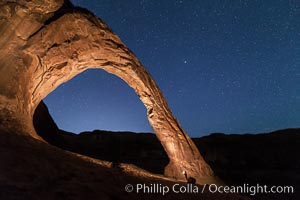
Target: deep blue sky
pixel 228 66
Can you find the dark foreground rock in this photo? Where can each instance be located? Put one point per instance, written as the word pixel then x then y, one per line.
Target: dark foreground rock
pixel 268 158
pixel 33 170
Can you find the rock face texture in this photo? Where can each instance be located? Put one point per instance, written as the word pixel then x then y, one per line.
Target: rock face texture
pixel 45 43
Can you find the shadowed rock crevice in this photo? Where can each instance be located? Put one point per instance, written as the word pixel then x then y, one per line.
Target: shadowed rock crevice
pixel 36 57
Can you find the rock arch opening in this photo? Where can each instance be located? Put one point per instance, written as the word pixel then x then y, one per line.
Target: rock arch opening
pixel 95 99
pixel 112 142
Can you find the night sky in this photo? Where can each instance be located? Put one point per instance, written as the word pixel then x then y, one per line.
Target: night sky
pixel 229 66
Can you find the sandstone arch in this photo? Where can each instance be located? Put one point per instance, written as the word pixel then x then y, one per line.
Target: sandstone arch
pixel 46 43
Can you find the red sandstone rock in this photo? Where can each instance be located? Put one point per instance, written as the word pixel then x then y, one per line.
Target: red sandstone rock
pixel 41 49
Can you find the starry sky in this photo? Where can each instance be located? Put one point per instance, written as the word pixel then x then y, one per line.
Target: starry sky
pixel 229 66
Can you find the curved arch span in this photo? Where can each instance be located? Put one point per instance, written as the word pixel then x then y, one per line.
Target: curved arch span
pixel 72 42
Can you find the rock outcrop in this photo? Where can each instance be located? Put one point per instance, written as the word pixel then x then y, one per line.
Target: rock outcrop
pixel 267 158
pixel 45 43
